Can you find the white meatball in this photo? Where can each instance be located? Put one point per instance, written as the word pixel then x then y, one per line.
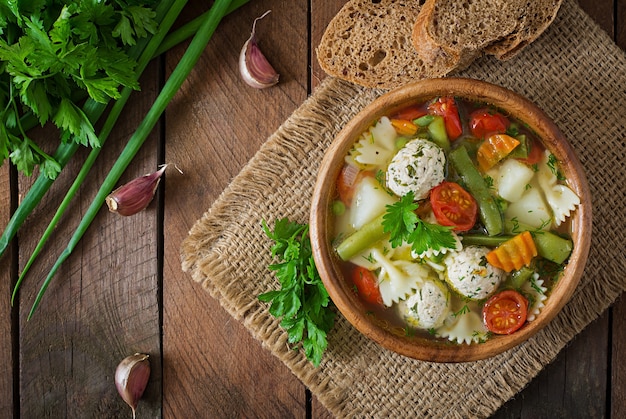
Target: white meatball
pixel 419 166
pixel 470 275
pixel 428 307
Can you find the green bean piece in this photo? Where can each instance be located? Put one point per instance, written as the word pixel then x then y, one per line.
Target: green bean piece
pixel 438 134
pixel 489 211
pixel 482 240
pixel 424 121
pixel 519 277
pixel 522 150
pixel 552 247
pixel 371 233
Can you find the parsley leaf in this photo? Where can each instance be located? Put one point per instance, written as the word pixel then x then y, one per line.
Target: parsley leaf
pixel 403 225
pixel 302 300
pixel 400 219
pixel 53 55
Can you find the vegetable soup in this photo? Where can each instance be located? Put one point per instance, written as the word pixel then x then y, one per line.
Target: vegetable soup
pixel 452 221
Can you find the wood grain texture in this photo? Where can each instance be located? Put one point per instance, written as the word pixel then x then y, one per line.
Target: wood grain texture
pixel 212 365
pixel 123 291
pixel 103 304
pixel 6 320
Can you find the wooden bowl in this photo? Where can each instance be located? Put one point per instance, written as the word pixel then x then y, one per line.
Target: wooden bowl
pixel 321 218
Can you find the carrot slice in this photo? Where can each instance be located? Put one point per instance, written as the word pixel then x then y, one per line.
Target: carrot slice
pixel 514 253
pixel 404 127
pixel 493 149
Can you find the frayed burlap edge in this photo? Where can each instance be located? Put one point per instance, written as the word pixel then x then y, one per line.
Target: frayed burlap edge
pixel 227 252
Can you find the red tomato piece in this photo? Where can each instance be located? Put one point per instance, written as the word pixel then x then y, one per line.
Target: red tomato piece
pixel 447 108
pixel 367 285
pixel 505 312
pixel 453 206
pixel 484 122
pixel 411 113
pixel 535 154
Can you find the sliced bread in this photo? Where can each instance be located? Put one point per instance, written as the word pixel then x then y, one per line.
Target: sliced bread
pixel 536 18
pixel 368 43
pixel 458 28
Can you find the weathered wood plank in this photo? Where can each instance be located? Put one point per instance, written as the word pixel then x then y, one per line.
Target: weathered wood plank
pixel 212 365
pixel 6 279
pixel 618 367
pixel 103 304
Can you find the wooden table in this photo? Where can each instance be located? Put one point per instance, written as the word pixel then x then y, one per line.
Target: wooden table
pixel 123 290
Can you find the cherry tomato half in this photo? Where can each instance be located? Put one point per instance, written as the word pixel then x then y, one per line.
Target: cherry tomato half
pixel 505 312
pixel 484 122
pixel 453 206
pixel 446 107
pixel 367 285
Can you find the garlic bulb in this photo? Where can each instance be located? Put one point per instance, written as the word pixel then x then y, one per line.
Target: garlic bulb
pixel 255 70
pixel 131 378
pixel 136 195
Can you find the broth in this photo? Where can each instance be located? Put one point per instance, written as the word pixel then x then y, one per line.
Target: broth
pixel 442 293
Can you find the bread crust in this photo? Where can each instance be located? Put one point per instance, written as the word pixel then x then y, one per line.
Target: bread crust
pixel 523 23
pixel 535 24
pixel 388 43
pixel 369 44
pixel 431 52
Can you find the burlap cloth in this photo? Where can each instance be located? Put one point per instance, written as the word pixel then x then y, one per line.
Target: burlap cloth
pixel 575 73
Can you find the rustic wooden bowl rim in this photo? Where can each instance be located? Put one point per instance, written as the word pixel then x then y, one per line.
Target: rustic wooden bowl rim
pixel 320 217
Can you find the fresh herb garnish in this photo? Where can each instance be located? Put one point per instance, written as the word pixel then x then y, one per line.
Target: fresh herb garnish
pixel 489 181
pixel 403 225
pixel 54 57
pixel 464 310
pixel 302 301
pixel 553 165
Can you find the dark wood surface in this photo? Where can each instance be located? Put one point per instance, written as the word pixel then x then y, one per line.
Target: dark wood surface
pixel 123 290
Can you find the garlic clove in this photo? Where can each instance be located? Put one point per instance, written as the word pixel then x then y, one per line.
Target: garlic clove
pixel 255 70
pixel 136 195
pixel 131 378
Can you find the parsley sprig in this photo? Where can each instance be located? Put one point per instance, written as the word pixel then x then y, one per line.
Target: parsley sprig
pixel 53 56
pixel 302 301
pixel 403 225
pixel 12 15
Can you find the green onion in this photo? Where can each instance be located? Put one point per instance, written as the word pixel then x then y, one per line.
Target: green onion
pixel 93 110
pixel 178 76
pixel 186 31
pixel 116 110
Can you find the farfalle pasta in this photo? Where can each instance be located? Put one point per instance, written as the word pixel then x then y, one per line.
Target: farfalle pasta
pixel 449 228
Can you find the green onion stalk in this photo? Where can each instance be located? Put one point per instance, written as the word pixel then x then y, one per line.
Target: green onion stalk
pixel 94 110
pixel 192 54
pixel 145 57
